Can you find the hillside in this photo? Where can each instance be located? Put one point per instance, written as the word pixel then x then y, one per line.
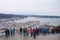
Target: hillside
pixel 24 16
pixel 11 16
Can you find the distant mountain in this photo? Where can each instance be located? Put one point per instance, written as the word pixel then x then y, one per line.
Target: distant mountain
pixel 24 16
pixel 11 16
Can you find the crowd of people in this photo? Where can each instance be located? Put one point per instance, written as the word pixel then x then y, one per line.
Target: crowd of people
pixel 9 32
pixel 34 32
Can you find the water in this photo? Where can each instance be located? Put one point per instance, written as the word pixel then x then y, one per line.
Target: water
pixel 52 21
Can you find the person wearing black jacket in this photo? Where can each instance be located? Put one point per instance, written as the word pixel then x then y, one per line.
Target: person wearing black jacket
pixel 34 33
pixel 21 31
pixel 7 32
pixel 24 31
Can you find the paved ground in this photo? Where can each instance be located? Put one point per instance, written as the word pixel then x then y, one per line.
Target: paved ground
pixel 41 37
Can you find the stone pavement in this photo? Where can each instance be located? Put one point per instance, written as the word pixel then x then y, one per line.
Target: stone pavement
pixel 40 37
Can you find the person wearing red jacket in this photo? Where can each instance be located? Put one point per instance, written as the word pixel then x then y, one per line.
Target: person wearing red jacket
pixel 31 31
pixel 53 30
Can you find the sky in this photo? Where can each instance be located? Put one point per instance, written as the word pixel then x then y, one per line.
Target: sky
pixel 30 7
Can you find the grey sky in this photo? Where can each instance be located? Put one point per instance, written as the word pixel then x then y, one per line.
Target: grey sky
pixel 34 7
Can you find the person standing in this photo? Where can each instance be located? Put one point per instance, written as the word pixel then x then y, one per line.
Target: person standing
pixel 53 30
pixel 21 31
pixel 27 32
pixel 37 31
pixel 14 31
pixel 31 31
pixel 34 33
pixel 11 31
pixel 24 31
pixel 7 32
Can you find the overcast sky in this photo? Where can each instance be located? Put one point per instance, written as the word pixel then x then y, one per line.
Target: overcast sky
pixel 30 7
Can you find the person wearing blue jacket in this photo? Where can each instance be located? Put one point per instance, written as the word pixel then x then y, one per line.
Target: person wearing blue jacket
pixel 45 31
